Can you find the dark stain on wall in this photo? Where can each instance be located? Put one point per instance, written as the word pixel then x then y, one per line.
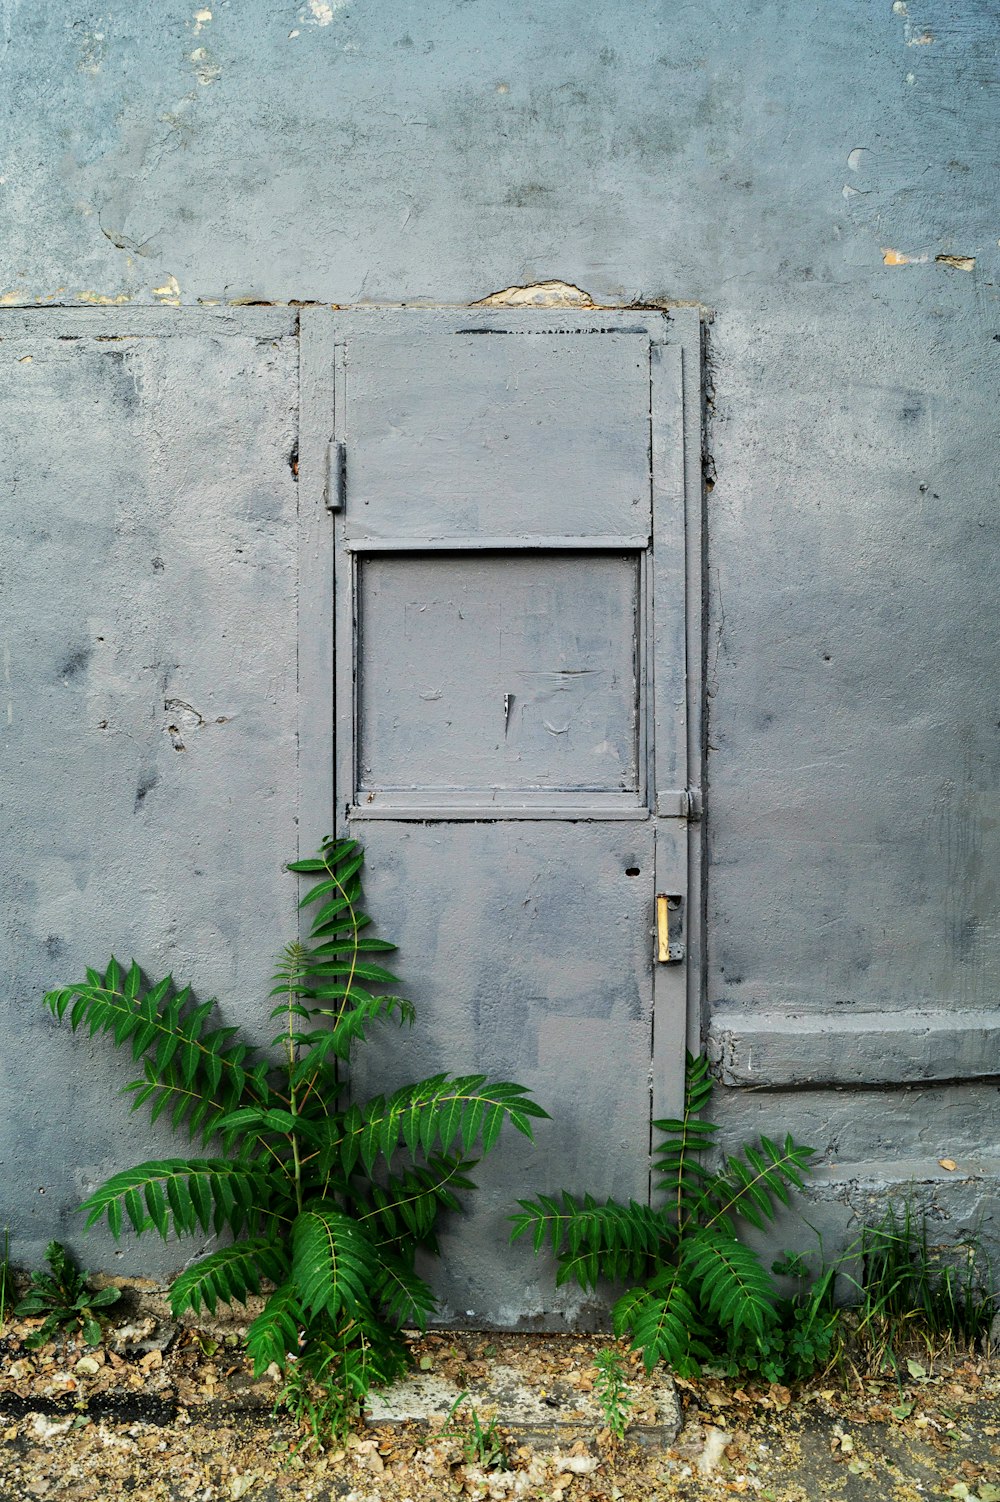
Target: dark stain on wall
pixel 74 663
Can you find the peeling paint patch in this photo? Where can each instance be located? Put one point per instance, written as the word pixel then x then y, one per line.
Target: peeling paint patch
pixel 539 295
pixel 320 12
pixel 899 8
pixel 102 299
pixel 170 293
pixel 15 296
pixel 205 70
pixel 201 19
pixel 960 263
pixel 91 45
pixel 923 40
pixel 122 241
pixel 184 719
pixel 899 258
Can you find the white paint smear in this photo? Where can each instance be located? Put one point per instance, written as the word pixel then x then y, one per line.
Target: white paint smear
pixel 320 12
pixel 205 70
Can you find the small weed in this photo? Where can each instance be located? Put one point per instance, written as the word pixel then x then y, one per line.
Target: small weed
pixel 482 1445
pixel 62 1296
pixel 909 1295
pixel 612 1392
pixel 806 1334
pixel 323 1408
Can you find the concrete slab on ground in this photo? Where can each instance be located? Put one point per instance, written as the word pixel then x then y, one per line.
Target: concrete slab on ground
pixel 554 1416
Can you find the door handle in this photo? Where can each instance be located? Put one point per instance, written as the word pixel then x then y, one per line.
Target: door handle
pixel 669 926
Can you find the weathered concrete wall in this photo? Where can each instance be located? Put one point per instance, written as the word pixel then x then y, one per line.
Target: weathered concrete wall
pixel 819 180
pixel 148 708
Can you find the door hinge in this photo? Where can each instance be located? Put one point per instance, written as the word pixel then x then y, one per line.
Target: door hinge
pixel 336 475
pixel 679 803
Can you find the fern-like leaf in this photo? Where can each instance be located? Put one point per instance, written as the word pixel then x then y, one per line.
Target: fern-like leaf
pixel 405 1207
pixel 191 1068
pixel 274 1335
pixel 749 1186
pixel 230 1274
pixel 662 1321
pixel 322 1046
pixel 729 1280
pixel 591 1240
pixel 437 1112
pixel 184 1194
pixel 403 1296
pixel 329 977
pixel 675 1159
pixel 333 1262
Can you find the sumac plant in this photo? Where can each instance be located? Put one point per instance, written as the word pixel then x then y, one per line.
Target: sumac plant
pixel 695 1290
pixel 321 1201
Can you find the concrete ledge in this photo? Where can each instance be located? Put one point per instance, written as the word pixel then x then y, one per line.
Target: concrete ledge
pixel 781 1050
pixel 897 1173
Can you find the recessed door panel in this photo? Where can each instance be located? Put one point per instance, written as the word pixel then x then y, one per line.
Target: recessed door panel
pixel 498 671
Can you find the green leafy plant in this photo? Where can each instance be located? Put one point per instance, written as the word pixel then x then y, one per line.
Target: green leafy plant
pixel 322 1405
pixel 693 1287
pixel 806 1333
pixel 322 1200
pixel 611 1390
pixel 62 1296
pixel 481 1444
pixel 910 1293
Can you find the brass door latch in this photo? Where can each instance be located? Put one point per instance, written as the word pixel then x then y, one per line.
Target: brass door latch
pixel 669 928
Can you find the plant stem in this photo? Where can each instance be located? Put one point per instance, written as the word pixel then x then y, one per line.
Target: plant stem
pixel 290 1051
pixel 350 978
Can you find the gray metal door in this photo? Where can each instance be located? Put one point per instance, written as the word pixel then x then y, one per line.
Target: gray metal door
pixel 511 712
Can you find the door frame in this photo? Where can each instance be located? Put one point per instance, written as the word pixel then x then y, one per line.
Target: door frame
pixel 676 463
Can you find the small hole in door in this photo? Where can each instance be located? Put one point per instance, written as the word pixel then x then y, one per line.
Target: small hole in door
pixel 631 870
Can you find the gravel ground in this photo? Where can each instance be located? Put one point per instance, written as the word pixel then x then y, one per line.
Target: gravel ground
pixel 169 1412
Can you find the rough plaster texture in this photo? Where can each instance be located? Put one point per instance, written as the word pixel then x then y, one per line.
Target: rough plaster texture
pixel 818 180
pixel 148 707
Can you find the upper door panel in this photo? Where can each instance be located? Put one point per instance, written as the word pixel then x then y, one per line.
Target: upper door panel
pixel 462 435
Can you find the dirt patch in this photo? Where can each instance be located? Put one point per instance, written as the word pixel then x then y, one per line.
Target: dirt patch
pixel 170 1411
